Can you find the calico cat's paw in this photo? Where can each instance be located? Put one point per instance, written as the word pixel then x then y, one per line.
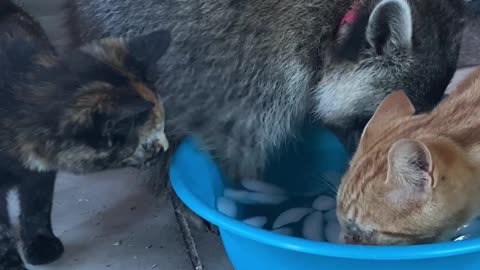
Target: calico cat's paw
pixel 11 260
pixel 43 249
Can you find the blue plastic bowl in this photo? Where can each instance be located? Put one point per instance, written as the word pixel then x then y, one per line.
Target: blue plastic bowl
pixel 198 183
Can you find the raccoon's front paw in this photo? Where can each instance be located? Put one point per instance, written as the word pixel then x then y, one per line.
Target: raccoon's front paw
pixel 43 249
pixel 11 260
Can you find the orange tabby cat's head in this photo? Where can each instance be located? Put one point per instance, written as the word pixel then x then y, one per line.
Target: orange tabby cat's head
pixel 405 184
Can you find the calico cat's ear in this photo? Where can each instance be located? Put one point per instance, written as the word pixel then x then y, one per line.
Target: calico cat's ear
pixel 410 172
pixel 150 47
pixel 394 106
pixel 390 26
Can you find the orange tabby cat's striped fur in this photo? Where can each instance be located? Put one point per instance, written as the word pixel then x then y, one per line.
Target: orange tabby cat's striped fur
pixel 414 178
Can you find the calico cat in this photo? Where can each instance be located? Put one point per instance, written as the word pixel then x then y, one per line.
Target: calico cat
pixel 87 111
pixel 424 171
pixel 242 75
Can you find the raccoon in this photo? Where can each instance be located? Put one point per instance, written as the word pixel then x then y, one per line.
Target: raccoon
pixel 86 111
pixel 242 75
pixel 470 49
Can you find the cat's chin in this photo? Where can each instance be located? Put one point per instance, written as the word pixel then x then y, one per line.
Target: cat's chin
pixel 148 163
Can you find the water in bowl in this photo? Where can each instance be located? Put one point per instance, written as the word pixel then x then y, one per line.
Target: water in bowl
pixel 299 199
pixel 309 216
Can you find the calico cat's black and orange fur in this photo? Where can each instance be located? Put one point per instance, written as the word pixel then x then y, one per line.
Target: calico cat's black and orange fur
pixel 87 111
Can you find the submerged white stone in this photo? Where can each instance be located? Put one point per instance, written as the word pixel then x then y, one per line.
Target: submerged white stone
pixel 263 187
pixel 332 232
pixel 324 203
pixel 258 222
pixel 313 227
pixel 227 207
pixel 247 197
pixel 284 231
pixel 291 216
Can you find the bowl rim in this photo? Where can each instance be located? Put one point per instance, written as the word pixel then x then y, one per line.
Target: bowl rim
pixel 236 227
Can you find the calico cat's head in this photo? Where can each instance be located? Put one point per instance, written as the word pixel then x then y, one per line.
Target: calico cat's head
pixel 108 115
pixel 405 185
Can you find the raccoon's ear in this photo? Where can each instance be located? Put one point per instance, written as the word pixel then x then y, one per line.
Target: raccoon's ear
pixel 390 26
pixel 150 47
pixel 410 167
pixel 394 106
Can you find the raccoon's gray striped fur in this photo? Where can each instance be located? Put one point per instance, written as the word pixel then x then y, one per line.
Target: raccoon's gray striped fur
pixel 242 75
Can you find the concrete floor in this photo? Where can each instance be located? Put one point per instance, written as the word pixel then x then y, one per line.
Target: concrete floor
pixel 109 221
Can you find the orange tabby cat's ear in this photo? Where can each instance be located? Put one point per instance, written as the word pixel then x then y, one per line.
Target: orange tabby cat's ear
pixel 394 106
pixel 410 169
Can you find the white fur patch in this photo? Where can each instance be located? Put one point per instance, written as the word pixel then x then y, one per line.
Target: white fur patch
pixel 155 138
pixel 162 139
pixel 35 163
pixel 13 206
pixel 341 95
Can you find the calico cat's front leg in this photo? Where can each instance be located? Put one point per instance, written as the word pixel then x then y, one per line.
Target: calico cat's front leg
pixel 40 245
pixel 9 257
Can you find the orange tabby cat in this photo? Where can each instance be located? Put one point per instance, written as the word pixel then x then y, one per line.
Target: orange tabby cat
pixel 414 178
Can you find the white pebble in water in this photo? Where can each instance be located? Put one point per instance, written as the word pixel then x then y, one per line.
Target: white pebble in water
pixel 258 222
pixel 247 197
pixel 462 238
pixel 285 231
pixel 332 232
pixel 291 216
pixel 227 207
pixel 313 227
pixel 324 203
pixel 472 228
pixel 331 215
pixel 259 186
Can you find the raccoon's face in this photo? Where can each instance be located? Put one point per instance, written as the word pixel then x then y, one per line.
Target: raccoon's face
pixel 385 46
pixel 114 118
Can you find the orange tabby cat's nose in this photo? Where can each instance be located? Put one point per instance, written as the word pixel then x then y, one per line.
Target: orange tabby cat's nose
pixel 353 238
pixel 353 235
